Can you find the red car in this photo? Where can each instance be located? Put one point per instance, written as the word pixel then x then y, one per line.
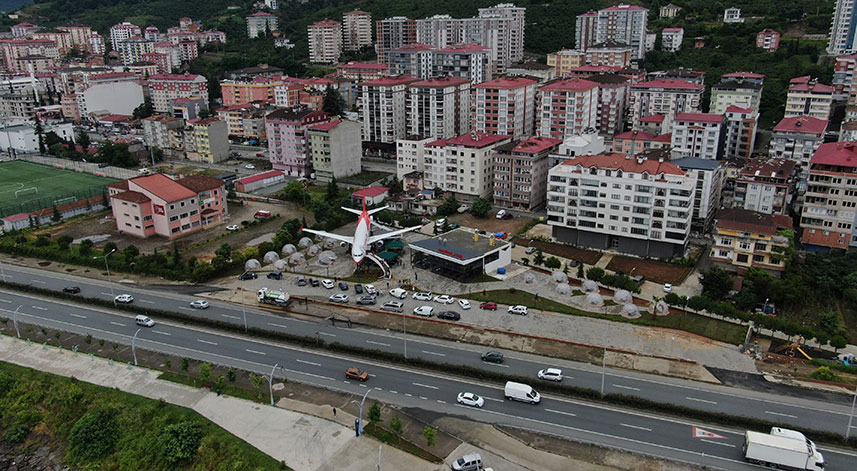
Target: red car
pixel 489 306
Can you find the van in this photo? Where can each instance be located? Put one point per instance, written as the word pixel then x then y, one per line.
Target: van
pixel 521 392
pixel 468 462
pixel 144 321
pixel 501 214
pixel 262 214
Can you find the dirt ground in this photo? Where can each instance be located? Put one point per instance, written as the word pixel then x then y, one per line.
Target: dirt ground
pixel 588 257
pixel 659 272
pixel 490 223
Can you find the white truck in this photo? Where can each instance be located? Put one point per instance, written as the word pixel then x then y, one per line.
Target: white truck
pixel 783 449
pixel 269 296
pixel 521 392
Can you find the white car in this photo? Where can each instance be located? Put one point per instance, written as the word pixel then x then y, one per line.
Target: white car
pixel 339 298
pixel 551 374
pixel 668 288
pixel 250 167
pixel 398 293
pixel 144 321
pixel 500 214
pixel 370 289
pixel 327 284
pixel 444 299
pixel 426 311
pixel 465 304
pixel 199 304
pixel 124 298
pixel 422 296
pixel 519 310
pixel 470 399
pixel 232 227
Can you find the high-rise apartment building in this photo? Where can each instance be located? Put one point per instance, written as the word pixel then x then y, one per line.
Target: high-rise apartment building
pixel 505 106
pixel 798 138
pixel 710 177
pixel 466 61
pixel 766 186
pixel 741 126
pixel 325 41
pixel 843 39
pixel 739 92
pixel 288 145
pixel 356 30
pixel 768 40
pixel 393 33
pixel 261 22
pixel 121 32
pixel 166 87
pixel 439 107
pixel 667 97
pixel 612 102
pixel 621 23
pixel 807 97
pixel 828 217
pixel 335 149
pixel 463 165
pixel 566 107
pixel 383 108
pixel 701 135
pixel 565 60
pixel 521 172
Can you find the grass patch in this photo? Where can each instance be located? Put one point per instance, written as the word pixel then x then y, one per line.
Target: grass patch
pixel 48 407
pixel 387 437
pixel 700 325
pixel 364 178
pixel 41 186
pixel 228 389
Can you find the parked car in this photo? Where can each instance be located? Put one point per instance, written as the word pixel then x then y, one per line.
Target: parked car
pixel 492 357
pixel 529 250
pixel 338 298
pixel 71 289
pixel 426 311
pixel 232 227
pixel 250 167
pixel 199 304
pixel 470 399
pixel 301 280
pixel 440 222
pixel 489 306
pixel 398 293
pixel 371 289
pixel 422 296
pixel 449 315
pixel 124 298
pixel 465 304
pixel 356 373
pixel 248 275
pixel 262 214
pixel 444 299
pixel 551 374
pixel 366 299
pixel 343 286
pixel 508 216
pixel 313 282
pixel 103 165
pixel 519 310
pixel 144 321
pixel 668 288
pixel 501 214
pixel 392 306
pixel 275 275
pixel 358 288
pixel 327 284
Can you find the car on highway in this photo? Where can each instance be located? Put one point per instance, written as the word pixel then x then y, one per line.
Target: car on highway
pixel 392 306
pixel 199 304
pixel 313 282
pixel 488 306
pixel 356 373
pixel 232 227
pixel 465 304
pixel 551 374
pixel 301 280
pixel 248 275
pixel 71 289
pixel 371 289
pixel 519 310
pixel 492 357
pixel 327 284
pixel 422 296
pixel 426 311
pixel 338 298
pixel 398 293
pixel 366 299
pixel 124 298
pixel 449 315
pixel 250 167
pixel 444 299
pixel 668 288
pixel 358 288
pixel 275 275
pixel 470 399
pixel 144 321
pixel 343 286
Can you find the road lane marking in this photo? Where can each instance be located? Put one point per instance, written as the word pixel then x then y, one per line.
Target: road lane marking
pixel 256 352
pixel 492 399
pixel 394 392
pixel 5 301
pixel 326 334
pixel 162 333
pixel 561 412
pixel 442 402
pixel 147 302
pixel 230 317
pixel 206 341
pixel 637 427
pixel 378 343
pixel 379 389
pixel 39 308
pixel 308 362
pixel 434 353
pixel 107 294
pixel 700 400
pixel 625 387
pixel 406 394
pixel 269 323
pixel 118 323
pixel 186 308
pixel 77 315
pixel 424 385
pixel 718 443
pixel 363 385
pixel 424 398
pixel 781 414
pixel 39 282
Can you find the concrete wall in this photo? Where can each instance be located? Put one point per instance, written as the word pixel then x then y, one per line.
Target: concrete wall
pixel 115 98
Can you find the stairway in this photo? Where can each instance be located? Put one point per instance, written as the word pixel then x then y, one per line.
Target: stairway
pixel 381 263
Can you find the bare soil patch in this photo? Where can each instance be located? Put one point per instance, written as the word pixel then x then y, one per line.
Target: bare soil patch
pixel 490 223
pixel 589 257
pixel 659 272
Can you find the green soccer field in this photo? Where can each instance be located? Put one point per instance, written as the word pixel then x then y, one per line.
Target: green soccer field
pixel 28 187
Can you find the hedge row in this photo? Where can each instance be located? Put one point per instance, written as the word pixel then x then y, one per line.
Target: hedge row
pixel 456 369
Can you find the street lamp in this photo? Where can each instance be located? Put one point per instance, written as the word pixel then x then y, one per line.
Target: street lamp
pixel 404 334
pixel 15 320
pixel 134 346
pixel 271 382
pixel 109 280
pixel 2 272
pixel 243 308
pixel 360 415
pixel 851 416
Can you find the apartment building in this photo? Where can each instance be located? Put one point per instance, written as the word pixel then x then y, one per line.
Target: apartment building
pixel 621 23
pixel 251 89
pixel 589 143
pixel 609 53
pixel 62 39
pixel 122 31
pixel 383 108
pixel 768 39
pixel 189 108
pixel 335 149
pixel 356 30
pixel 288 146
pixel 747 239
pixel 701 135
pixel 438 107
pixel 807 97
pixel 521 172
pixel 211 141
pixel 463 165
pixel 325 41
pixel 245 121
pixel 131 50
pixel 565 60
pixel 741 126
pixel 410 155
pixel 505 106
pixel 618 202
pixel 566 107
pixel 612 102
pixel 740 93
pixel 667 97
pixel 798 139
pixel 732 15
pixel 842 37
pixel 843 77
pixel 828 217
pixel 671 39
pixel 710 178
pixel 766 186
pixel 669 10
pixel 166 87
pixel 362 70
pixel 743 76
pixel 23 30
pixel 96 44
pixel 260 22
pixel 393 33
pixel 633 142
pixel 156 130
pixel 465 61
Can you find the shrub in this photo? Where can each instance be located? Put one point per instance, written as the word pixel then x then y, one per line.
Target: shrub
pixel 178 443
pixel 823 373
pixel 17 433
pixel 374 413
pixel 93 436
pixel 553 263
pixel 205 371
pixel 396 425
pixel 185 363
pixel 88 339
pixel 230 375
pixel 595 274
pixel 430 435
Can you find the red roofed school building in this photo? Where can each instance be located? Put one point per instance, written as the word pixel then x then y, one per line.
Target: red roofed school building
pixel 158 205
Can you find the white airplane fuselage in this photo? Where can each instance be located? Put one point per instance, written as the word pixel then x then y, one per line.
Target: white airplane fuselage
pixel 361 238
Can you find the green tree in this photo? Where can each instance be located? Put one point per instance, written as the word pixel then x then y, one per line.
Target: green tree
pixel 144 110
pixel 205 371
pixel 332 193
pixel 539 258
pixel 430 434
pixel 715 283
pixel 595 274
pixel 93 436
pixel 85 247
pixel 56 216
pixel 256 381
pixel 40 132
pixel 225 250
pixel 396 425
pixel 131 252
pixel 333 104
pixel 109 247
pixel 553 263
pixel 64 241
pixel 374 414
pixel 203 272
pixel 579 271
pixel 83 139
pixel 481 207
pixel 295 192
pixel 178 443
pixel 449 206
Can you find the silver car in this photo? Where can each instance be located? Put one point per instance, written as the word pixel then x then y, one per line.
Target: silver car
pixel 393 306
pixel 339 298
pixel 366 299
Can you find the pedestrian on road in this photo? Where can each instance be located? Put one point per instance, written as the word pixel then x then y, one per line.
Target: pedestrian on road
pixel 334 411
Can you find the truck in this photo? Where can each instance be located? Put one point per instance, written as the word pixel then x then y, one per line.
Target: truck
pixel 783 449
pixel 269 296
pixel 521 392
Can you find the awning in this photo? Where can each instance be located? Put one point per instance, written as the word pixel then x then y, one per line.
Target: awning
pixel 388 255
pixel 395 244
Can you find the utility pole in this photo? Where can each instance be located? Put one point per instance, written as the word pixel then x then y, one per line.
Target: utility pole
pixel 15 322
pixel 134 346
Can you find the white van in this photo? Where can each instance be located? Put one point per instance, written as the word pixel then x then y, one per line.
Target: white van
pixel 468 462
pixel 144 321
pixel 521 392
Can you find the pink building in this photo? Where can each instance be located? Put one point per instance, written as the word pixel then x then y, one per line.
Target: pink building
pixel 566 108
pixel 362 70
pixel 633 142
pixel 288 146
pixel 158 205
pixel 166 87
pixel 160 60
pixel 241 91
pixel 505 106
pixel 768 40
pixel 189 50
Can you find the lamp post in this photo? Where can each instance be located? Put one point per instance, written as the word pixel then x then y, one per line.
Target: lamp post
pixel 404 334
pixel 2 271
pixel 851 416
pixel 134 346
pixel 109 280
pixel 243 307
pixel 360 414
pixel 271 382
pixel 15 320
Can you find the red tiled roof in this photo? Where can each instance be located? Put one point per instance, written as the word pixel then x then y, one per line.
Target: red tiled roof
pixel 807 124
pixel 770 168
pixel 370 192
pixel 622 162
pixel 174 77
pixel 414 47
pixel 669 83
pixel 653 118
pixel 843 154
pixel 700 117
pixel 259 176
pixel 113 75
pixel 635 135
pixel 626 7
pixel 132 196
pixel 363 65
pixel 200 183
pixel 17 217
pixel 164 187
pixel 481 140
pixel 120 185
pixel 356 12
pixel 440 82
pixel 112 118
pixel 326 126
pixel 324 23
pixel 390 81
pixel 673 30
pixel 769 31
pixel 603 69
pixel 664 137
pixel 535 145
pixel 507 83
pixel 738 109
pixel 744 220
pixel 802 84
pixel 572 84
pixel 261 13
pixel 464 47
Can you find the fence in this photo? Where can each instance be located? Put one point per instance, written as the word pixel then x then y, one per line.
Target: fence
pixel 85 167
pixel 50 201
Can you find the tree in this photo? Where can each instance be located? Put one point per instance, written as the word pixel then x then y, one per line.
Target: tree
pixel 225 250
pixel 109 247
pixel 449 207
pixel 256 381
pixel 333 104
pixel 178 443
pixel 595 274
pixel 553 263
pixel 374 414
pixel 83 139
pixel 396 425
pixel 144 110
pixel 332 193
pixel 131 252
pixel 56 217
pixel 430 435
pixel 205 371
pixel 481 207
pixel 93 436
pixel 204 113
pixel 539 258
pixel 40 131
pixel 579 271
pixel 85 247
pixel 715 283
pixel 64 241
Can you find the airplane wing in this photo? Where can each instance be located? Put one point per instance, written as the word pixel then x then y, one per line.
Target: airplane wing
pixel 387 235
pixel 349 239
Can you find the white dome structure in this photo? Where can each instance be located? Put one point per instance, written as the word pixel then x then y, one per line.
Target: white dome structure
pixel 280 265
pixel 594 300
pixel 327 257
pixel 590 286
pixel 662 308
pixel 529 278
pixel 271 257
pixel 313 250
pixel 252 264
pixel 631 311
pixel 289 249
pixel 563 288
pixel 623 296
pixel 297 258
pixel 329 243
pixel 559 276
pixel 304 242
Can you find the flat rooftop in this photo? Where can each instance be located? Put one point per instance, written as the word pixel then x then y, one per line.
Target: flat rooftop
pixel 459 244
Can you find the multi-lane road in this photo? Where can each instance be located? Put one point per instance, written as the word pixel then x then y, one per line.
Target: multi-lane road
pixel 569 418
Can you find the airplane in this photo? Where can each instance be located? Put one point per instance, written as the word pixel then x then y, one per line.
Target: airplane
pixel 362 240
